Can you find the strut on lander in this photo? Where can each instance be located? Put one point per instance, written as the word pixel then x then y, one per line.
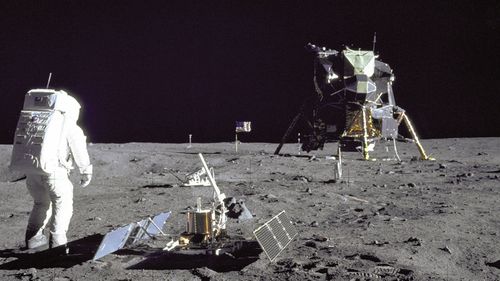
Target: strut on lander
pixel 353 103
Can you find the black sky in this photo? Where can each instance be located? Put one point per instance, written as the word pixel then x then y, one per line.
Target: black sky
pixel 157 71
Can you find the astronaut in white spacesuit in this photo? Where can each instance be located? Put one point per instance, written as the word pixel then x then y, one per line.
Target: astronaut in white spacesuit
pixel 47 143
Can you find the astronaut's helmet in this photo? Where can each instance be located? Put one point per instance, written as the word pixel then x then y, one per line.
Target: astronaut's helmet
pixel 50 100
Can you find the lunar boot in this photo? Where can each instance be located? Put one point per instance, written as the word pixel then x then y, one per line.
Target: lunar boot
pixel 58 244
pixel 35 239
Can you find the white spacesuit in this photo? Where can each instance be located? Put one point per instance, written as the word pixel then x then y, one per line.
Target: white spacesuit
pixel 47 142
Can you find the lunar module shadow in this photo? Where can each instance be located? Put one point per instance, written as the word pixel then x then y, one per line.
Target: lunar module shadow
pixel 188 259
pixel 80 251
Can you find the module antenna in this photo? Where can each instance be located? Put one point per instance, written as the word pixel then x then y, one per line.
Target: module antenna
pixel 48 81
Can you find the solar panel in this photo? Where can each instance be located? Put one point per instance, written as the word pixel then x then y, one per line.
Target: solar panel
pixel 113 241
pixel 287 224
pixel 130 234
pixel 275 235
pixel 147 228
pixel 137 234
pixel 157 222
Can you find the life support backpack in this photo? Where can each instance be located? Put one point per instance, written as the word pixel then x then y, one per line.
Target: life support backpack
pixel 40 132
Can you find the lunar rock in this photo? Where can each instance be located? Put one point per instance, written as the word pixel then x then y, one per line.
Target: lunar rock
pixel 384 220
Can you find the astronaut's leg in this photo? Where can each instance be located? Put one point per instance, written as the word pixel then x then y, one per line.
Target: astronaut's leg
pixel 41 212
pixel 61 196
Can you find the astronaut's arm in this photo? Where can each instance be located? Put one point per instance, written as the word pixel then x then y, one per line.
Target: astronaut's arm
pixel 78 146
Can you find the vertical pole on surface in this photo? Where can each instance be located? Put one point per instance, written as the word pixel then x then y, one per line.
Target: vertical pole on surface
pixel 338 165
pixel 236 142
pixel 298 142
pixel 190 138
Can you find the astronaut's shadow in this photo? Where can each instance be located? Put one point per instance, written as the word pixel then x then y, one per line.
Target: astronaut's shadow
pixel 80 251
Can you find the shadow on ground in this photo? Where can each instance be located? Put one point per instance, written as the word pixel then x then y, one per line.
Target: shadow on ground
pixel 236 261
pixel 80 251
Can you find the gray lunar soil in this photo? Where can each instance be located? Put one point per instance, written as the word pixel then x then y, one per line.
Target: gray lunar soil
pixel 385 220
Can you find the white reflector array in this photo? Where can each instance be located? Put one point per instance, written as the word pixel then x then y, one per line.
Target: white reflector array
pixel 275 235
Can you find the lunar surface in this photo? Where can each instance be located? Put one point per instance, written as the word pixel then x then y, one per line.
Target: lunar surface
pixel 384 220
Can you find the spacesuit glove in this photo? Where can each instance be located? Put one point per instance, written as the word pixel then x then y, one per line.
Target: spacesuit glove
pixel 85 180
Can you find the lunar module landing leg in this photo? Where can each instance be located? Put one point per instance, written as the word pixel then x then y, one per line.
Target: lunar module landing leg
pixel 403 117
pixel 301 115
pixel 288 132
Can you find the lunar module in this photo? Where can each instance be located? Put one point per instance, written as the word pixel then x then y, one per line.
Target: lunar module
pixel 353 103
